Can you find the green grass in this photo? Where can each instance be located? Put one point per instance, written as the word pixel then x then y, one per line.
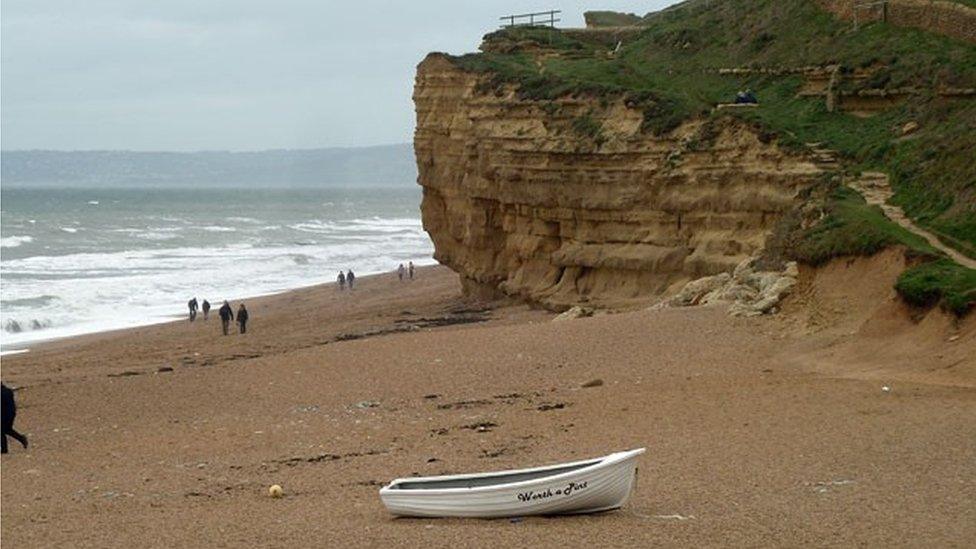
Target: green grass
pixel 939 282
pixel 610 19
pixel 852 227
pixel 668 72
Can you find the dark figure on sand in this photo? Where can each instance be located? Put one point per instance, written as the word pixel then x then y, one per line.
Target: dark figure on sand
pixel 9 412
pixel 400 271
pixel 242 318
pixel 410 270
pixel 226 315
pixel 342 280
pixel 350 278
pixel 192 304
pixel 206 309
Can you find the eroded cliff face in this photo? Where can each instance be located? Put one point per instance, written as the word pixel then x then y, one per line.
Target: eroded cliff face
pixel 568 201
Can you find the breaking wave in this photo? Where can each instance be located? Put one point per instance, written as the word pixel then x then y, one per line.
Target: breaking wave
pixel 14 241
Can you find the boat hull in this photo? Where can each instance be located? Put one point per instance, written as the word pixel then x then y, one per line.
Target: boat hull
pixel 603 485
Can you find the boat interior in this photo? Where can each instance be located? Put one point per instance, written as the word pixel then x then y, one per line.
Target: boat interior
pixel 490 479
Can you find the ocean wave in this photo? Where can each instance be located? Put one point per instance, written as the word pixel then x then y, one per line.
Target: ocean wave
pixel 12 326
pixel 122 278
pixel 29 301
pixel 93 202
pixel 152 235
pixel 365 226
pixel 242 220
pixel 14 241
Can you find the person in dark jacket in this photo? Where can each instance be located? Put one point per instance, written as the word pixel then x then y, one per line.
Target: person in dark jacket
pixel 192 304
pixel 206 309
pixel 401 270
pixel 746 98
pixel 7 415
pixel 350 278
pixel 342 280
pixel 242 318
pixel 410 270
pixel 226 315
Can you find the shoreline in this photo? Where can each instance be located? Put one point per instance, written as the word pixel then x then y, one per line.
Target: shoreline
pixel 26 346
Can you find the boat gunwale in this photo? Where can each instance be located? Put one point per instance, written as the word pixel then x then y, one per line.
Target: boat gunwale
pixel 595 463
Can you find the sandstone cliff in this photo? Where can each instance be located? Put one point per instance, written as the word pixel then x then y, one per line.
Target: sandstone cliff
pixel 568 201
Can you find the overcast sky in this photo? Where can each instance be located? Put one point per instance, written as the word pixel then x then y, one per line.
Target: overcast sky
pixel 231 74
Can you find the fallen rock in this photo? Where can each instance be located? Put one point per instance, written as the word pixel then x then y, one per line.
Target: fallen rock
pixel 575 312
pixel 909 127
pixel 694 291
pixel 748 292
pixel 592 383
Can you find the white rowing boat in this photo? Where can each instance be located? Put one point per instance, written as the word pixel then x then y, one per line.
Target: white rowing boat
pixel 579 487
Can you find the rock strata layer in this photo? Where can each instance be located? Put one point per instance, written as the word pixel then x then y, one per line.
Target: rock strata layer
pixel 570 201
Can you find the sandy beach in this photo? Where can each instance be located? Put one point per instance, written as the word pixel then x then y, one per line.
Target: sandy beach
pixel 758 433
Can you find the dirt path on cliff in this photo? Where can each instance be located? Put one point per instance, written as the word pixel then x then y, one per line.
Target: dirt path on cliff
pixel 876 190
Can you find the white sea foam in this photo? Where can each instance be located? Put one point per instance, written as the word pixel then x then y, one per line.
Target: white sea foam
pixel 96 291
pixel 69 229
pixel 14 241
pixel 93 202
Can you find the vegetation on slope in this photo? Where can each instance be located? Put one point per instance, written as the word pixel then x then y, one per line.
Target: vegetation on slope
pixel 852 227
pixel 670 72
pixel 610 19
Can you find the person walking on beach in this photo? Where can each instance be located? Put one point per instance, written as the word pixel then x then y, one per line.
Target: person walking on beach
pixel 226 315
pixel 400 271
pixel 242 318
pixel 206 309
pixel 410 269
pixel 192 304
pixel 7 415
pixel 350 278
pixel 342 280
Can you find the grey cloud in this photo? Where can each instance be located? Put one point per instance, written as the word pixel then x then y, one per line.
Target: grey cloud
pixel 239 75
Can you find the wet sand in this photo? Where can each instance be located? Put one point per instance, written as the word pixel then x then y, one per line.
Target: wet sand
pixel 170 435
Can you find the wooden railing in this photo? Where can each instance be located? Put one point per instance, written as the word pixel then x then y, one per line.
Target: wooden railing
pixel 541 19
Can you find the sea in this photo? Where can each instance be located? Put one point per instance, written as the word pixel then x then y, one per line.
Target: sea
pixel 82 260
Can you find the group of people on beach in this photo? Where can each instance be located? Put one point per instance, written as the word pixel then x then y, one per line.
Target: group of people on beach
pixel 226 314
pixel 346 278
pixel 405 271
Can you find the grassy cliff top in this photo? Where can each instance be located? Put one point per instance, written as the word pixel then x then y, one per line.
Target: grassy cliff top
pixel 671 71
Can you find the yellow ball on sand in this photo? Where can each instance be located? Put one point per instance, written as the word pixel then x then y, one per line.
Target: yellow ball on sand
pixel 275 491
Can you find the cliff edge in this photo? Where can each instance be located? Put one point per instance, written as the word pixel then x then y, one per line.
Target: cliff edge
pixel 568 200
pixel 586 167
